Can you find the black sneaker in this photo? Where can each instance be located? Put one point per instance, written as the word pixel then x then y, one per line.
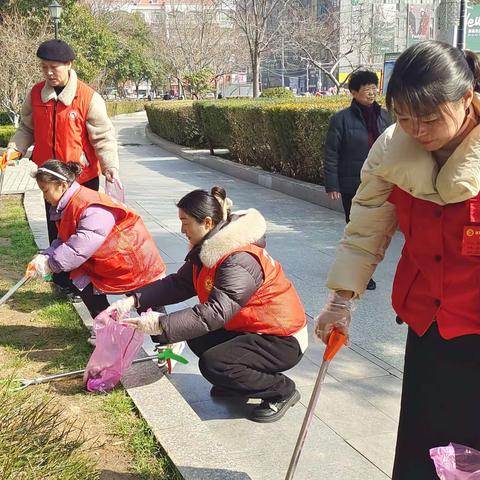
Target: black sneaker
pixel 372 285
pixel 268 412
pixel 73 297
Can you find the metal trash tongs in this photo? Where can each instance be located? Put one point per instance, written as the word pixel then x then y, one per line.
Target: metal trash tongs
pixel 335 343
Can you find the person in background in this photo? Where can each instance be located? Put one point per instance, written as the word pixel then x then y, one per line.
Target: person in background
pixel 350 136
pixel 422 174
pixel 67 120
pixel 250 324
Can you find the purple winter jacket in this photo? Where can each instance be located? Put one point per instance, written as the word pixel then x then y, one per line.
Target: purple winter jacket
pixel 93 228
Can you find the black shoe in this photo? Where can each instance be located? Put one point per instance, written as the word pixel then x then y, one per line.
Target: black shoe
pixel 71 293
pixel 223 392
pixel 371 284
pixel 74 297
pixel 268 412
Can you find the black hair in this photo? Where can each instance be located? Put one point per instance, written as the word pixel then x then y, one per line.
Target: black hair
pixel 430 74
pixel 70 171
pixel 201 204
pixel 360 78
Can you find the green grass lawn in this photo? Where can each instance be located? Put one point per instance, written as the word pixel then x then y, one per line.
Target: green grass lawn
pixel 58 428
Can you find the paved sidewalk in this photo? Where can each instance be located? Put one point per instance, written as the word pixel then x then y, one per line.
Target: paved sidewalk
pixel 353 433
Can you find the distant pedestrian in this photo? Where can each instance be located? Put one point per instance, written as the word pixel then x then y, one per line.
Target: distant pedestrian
pixel 423 175
pixel 351 134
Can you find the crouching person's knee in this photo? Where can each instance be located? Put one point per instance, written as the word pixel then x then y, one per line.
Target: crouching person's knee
pixel 211 367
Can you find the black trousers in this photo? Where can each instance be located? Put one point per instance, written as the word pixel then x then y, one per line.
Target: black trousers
pixel 62 279
pixel 248 363
pixel 347 205
pixel 440 400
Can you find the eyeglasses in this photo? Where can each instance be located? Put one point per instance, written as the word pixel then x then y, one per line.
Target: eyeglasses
pixel 373 90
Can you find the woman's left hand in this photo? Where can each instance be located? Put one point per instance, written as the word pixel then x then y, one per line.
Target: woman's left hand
pixel 148 322
pixel 111 174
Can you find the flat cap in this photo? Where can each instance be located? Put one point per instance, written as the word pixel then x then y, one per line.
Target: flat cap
pixel 56 51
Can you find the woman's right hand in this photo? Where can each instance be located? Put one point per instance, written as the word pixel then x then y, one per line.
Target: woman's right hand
pixel 337 313
pixel 123 306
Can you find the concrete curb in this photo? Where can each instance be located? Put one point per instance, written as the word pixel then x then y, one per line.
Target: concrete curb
pixel 190 445
pixel 295 188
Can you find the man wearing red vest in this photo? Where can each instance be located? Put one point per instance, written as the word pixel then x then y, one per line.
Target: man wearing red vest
pixel 67 120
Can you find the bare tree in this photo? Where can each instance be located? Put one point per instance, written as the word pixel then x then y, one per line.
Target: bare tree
pixel 19 40
pixel 318 41
pixel 260 22
pixel 199 44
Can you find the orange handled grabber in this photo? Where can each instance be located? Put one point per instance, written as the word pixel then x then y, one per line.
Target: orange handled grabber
pixel 3 165
pixel 335 343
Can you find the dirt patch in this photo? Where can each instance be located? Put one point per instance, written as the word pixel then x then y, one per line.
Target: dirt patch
pixel 5 242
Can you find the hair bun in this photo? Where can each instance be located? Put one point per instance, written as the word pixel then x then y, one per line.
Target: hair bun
pixel 74 167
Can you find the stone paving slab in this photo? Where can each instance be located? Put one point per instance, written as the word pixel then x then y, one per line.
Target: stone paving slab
pixel 18 179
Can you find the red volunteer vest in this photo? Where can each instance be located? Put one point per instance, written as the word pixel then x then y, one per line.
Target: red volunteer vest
pixel 60 131
pixel 128 259
pixel 274 309
pixel 433 279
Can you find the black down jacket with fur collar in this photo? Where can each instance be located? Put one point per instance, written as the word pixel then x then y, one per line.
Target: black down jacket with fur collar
pixel 236 280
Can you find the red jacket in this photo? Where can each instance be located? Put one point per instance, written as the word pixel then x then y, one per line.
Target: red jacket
pixel 128 259
pixel 60 131
pixel 274 309
pixel 433 279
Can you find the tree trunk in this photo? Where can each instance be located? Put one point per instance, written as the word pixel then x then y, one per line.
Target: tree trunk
pixel 256 74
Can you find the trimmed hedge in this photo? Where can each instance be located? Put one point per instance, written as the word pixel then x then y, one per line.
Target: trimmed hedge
pixel 278 135
pixel 176 121
pixel 124 106
pixel 5 119
pixel 277 92
pixel 113 108
pixel 6 132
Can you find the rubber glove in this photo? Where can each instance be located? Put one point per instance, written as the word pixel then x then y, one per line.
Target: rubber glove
pixel 40 265
pixel 123 306
pixel 337 313
pixel 147 322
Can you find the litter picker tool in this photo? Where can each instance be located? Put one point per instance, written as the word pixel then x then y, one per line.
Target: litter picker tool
pixel 30 273
pixel 20 384
pixel 335 343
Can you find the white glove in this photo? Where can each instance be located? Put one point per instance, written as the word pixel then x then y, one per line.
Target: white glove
pixel 12 154
pixel 123 306
pixel 337 313
pixel 40 265
pixel 148 322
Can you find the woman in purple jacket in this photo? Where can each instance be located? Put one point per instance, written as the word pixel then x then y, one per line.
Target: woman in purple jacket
pixel 104 246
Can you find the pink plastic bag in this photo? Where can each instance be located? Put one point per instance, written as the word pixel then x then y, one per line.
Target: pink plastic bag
pixel 116 347
pixel 115 190
pixel 456 462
